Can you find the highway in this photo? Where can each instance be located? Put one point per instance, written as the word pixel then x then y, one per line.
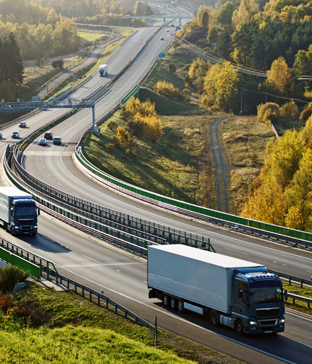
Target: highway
pixel 123 277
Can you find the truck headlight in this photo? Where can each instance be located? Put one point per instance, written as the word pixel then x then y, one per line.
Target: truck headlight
pixel 281 321
pixel 252 323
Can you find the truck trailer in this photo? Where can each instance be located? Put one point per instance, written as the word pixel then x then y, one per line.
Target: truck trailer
pixel 229 291
pixel 18 211
pixel 103 70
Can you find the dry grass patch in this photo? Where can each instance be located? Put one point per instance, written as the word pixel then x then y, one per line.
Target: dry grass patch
pixel 244 141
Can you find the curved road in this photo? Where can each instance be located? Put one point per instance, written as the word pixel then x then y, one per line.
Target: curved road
pixel 124 278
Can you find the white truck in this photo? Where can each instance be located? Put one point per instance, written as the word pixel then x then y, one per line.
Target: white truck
pixel 229 291
pixel 103 70
pixel 18 211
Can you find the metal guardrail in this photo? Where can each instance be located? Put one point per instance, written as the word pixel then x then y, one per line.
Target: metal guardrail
pixel 24 254
pixel 99 215
pixel 295 297
pixel 101 300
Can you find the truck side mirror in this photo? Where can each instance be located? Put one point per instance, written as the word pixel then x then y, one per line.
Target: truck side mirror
pixel 286 294
pixel 38 212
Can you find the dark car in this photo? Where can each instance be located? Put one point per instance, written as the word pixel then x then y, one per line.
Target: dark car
pixel 22 124
pixel 57 140
pixel 48 135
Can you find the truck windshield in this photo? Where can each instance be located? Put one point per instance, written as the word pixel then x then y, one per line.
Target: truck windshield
pixel 266 295
pixel 25 211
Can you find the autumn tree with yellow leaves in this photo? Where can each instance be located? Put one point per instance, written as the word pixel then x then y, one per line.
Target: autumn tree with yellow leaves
pixel 282 194
pixel 280 74
pixel 220 85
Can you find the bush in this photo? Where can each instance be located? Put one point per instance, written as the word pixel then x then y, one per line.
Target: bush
pixel 268 112
pixel 112 125
pixel 305 114
pixel 172 68
pixel 9 276
pixel 289 110
pixel 167 89
pixel 58 64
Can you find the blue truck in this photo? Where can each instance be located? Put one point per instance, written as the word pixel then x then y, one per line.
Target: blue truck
pixel 228 291
pixel 18 211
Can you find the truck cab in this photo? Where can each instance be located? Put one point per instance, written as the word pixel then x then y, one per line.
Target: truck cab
pixel 257 302
pixel 24 217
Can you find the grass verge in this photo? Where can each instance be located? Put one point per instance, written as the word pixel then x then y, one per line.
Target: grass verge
pixel 75 330
pixel 179 165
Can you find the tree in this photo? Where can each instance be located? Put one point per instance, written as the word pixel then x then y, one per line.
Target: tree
pixel 279 74
pixel 220 84
pixel 123 136
pixel 203 16
pixel 212 34
pixel 303 63
pixel 247 9
pixel 225 13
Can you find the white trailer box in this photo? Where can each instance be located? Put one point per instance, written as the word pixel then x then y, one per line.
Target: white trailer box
pixel 6 195
pixel 103 69
pixel 195 275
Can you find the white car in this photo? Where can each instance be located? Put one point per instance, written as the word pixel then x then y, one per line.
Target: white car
pixel 15 135
pixel 167 30
pixel 42 141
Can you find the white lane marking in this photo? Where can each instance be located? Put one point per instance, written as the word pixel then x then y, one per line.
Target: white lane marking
pixel 236 251
pixel 181 319
pixel 96 265
pixel 59 183
pixel 302 317
pixel 92 259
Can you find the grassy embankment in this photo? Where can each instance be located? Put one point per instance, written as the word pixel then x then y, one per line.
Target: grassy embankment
pixel 75 330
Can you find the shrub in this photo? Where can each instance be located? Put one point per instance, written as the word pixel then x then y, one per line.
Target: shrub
pixel 112 125
pixel 305 114
pixel 172 68
pixel 167 89
pixel 268 112
pixel 289 110
pixel 9 276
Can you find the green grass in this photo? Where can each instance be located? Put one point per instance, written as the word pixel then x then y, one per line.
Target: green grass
pixel 164 105
pixel 299 305
pixel 75 330
pixel 179 165
pixel 86 37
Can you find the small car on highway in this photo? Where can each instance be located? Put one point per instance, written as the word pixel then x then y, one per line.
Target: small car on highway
pixel 22 124
pixel 57 140
pixel 0 135
pixel 42 141
pixel 15 135
pixel 162 38
pixel 167 30
pixel 48 135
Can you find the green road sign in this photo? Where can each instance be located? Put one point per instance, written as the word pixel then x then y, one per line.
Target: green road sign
pixel 162 55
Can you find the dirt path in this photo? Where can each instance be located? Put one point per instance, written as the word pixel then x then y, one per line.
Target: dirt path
pixel 221 168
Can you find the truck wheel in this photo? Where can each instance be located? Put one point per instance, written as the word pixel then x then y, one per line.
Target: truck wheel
pixel 166 300
pixel 173 303
pixel 180 306
pixel 214 317
pixel 239 327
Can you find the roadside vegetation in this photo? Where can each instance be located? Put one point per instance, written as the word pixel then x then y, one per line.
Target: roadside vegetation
pixel 61 327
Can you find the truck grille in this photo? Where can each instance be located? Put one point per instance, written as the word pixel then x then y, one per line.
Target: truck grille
pixel 28 222
pixel 267 312
pixel 268 325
